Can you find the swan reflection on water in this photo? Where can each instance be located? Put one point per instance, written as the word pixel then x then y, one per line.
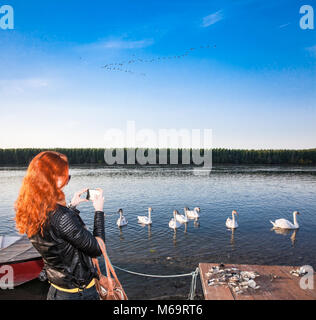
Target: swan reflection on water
pixel 121 234
pixel 196 223
pixel 174 237
pixel 149 232
pixel 285 232
pixel 232 238
pixel 149 229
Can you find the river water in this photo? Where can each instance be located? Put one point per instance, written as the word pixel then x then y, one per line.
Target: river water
pixel 258 193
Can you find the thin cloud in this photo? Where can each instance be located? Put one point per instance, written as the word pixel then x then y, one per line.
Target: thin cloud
pixel 119 44
pixel 126 44
pixel 18 86
pixel 284 25
pixel 212 18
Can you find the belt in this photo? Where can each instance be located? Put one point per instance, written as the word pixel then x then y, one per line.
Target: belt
pixel 74 290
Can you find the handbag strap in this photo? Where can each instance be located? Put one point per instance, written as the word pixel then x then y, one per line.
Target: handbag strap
pixel 105 255
pixel 108 265
pixel 96 263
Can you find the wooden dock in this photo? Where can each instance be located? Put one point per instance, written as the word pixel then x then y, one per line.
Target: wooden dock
pixel 276 283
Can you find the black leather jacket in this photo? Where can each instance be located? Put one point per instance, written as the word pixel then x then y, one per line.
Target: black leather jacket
pixel 67 247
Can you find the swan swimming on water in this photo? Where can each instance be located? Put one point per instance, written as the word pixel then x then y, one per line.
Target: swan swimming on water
pixel 145 219
pixel 192 214
pixel 121 221
pixel 182 218
pixel 232 223
pixel 173 223
pixel 286 224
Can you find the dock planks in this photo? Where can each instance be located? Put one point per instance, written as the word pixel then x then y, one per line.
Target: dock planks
pixel 285 287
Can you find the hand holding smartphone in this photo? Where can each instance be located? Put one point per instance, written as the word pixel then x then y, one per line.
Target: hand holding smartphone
pixel 77 198
pixel 92 193
pixel 96 196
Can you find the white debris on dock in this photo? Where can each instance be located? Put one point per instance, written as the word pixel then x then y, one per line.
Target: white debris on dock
pixel 298 272
pixel 237 280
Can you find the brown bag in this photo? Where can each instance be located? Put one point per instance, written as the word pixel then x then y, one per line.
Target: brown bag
pixel 108 288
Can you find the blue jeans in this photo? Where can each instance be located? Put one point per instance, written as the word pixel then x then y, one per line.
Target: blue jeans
pixel 87 294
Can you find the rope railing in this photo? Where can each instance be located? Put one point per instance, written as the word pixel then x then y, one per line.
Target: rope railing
pixel 193 274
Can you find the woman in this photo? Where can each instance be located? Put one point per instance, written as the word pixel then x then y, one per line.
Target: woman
pixel 57 231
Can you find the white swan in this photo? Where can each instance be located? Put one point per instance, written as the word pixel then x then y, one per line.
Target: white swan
pixel 173 223
pixel 182 218
pixel 145 219
pixel 121 221
pixel 232 223
pixel 192 214
pixel 286 224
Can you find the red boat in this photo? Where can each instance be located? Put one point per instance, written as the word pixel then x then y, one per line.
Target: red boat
pixel 19 253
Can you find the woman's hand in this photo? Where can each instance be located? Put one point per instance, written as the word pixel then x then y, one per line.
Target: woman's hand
pixel 98 200
pixel 76 198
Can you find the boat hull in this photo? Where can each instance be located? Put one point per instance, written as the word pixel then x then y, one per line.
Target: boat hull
pixel 25 271
pixel 19 253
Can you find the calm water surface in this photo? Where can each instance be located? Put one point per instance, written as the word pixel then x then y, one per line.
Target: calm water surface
pixel 257 193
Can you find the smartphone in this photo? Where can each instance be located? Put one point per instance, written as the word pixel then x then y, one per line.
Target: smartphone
pixel 91 194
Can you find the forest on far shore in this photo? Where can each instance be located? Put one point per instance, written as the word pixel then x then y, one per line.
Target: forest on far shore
pixel 79 156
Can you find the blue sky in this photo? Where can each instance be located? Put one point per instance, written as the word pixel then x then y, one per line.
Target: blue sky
pixel 254 86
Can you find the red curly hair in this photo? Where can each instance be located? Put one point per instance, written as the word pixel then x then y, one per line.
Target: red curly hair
pixel 41 190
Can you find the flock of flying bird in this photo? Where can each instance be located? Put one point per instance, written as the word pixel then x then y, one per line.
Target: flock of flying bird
pixel 179 219
pixel 120 66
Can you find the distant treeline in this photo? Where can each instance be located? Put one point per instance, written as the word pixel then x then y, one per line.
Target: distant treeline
pixel 220 156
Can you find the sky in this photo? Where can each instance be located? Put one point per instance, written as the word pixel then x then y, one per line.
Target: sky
pixel 246 71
